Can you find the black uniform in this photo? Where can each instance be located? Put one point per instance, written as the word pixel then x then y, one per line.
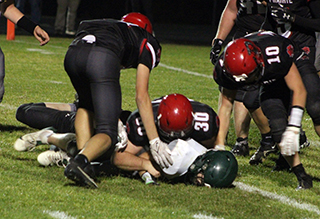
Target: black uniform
pixel 274 93
pixel 94 60
pixel 206 124
pixel 301 32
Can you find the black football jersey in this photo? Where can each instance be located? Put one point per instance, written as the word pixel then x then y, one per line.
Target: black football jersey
pixel 277 53
pixel 253 16
pixel 206 124
pixel 131 43
pixel 300 35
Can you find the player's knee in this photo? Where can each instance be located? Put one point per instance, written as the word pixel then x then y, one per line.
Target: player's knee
pixel 277 126
pixel 314 112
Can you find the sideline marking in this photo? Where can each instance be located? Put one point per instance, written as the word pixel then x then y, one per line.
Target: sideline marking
pixel 280 198
pixel 58 214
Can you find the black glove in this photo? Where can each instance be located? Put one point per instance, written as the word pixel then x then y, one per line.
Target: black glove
pixel 282 15
pixel 215 50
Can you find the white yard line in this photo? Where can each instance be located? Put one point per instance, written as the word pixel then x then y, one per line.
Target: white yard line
pixel 281 198
pixel 58 214
pixel 185 71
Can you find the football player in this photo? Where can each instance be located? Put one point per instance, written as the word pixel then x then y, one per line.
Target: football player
pixel 245 17
pixel 8 9
pixel 266 58
pixel 93 62
pixel 175 117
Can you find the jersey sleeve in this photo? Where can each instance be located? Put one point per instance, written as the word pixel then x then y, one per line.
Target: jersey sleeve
pixel 149 52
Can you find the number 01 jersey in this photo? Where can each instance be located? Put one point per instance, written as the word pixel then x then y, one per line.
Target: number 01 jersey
pixel 205 127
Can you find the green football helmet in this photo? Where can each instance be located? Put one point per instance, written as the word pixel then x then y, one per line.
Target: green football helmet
pixel 214 169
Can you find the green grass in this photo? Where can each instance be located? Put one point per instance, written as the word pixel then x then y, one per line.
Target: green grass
pixel 30 191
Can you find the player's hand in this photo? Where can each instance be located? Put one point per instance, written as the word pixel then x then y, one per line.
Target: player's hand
pixel 289 144
pixel 122 137
pixel 215 50
pixel 160 153
pixel 281 14
pixel 41 35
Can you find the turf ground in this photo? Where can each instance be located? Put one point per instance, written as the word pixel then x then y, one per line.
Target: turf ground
pixel 36 74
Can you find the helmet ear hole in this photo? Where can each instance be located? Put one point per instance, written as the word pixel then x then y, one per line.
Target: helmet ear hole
pixel 175 117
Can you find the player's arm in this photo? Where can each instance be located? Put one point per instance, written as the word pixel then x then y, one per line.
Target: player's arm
pixel 224 113
pixel 290 138
pixel 159 150
pixel 294 82
pixel 226 23
pixel 13 14
pixel 227 20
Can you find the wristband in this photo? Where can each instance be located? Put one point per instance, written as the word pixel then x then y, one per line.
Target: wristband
pixel 26 24
pixel 154 140
pixel 296 116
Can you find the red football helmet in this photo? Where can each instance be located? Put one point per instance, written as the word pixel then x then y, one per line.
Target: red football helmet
pixel 243 61
pixel 175 117
pixel 138 19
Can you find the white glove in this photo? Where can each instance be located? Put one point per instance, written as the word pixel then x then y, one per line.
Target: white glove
pixel 122 137
pixel 160 153
pixel 290 141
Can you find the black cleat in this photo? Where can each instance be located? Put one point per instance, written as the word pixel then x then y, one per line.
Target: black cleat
pixel 263 151
pixel 305 182
pixel 241 147
pixel 75 173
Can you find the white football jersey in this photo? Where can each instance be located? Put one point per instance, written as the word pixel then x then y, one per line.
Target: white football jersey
pixel 183 154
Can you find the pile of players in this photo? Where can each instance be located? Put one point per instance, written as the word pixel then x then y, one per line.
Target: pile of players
pixel 273 75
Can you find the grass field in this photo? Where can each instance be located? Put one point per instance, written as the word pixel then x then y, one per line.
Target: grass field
pixel 36 74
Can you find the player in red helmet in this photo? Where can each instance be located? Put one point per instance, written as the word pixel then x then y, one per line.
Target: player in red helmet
pixel 138 19
pixel 101 48
pixel 243 59
pixel 175 116
pixel 269 63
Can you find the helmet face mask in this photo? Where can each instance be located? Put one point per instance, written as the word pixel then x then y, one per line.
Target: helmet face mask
pixel 138 19
pixel 243 62
pixel 214 169
pixel 175 117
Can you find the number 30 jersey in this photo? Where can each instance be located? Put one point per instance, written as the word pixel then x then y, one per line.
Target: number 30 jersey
pixel 205 127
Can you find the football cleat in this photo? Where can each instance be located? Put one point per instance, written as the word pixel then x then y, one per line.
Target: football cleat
pixel 263 151
pixel 241 147
pixel 75 173
pixel 149 179
pixel 29 141
pixel 305 182
pixel 50 158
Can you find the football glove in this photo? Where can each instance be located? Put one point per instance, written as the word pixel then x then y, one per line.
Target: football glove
pixel 215 50
pixel 122 137
pixel 281 14
pixel 160 153
pixel 289 144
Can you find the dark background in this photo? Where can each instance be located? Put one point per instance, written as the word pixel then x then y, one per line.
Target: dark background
pixel 176 21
